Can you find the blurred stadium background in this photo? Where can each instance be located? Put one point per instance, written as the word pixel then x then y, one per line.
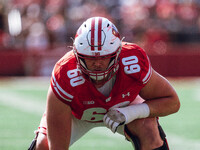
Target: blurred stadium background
pixel 34 34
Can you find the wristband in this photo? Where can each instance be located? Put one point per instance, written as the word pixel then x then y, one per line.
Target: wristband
pixel 133 112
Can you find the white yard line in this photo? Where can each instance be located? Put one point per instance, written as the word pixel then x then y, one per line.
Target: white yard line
pixel 178 142
pixel 196 95
pixel 20 102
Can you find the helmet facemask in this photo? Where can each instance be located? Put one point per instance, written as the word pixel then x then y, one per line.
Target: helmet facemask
pixel 100 76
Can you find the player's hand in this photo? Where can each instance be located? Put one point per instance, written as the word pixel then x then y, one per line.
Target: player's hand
pixel 113 119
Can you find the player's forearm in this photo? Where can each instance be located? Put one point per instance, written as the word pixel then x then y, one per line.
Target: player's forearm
pixel 56 147
pixel 58 133
pixel 58 123
pixel 57 141
pixel 163 106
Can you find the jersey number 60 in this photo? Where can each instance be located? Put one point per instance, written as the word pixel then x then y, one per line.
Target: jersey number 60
pixel 131 64
pixel 75 78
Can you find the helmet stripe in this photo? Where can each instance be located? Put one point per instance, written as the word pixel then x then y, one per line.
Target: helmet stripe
pixel 99 33
pixel 92 34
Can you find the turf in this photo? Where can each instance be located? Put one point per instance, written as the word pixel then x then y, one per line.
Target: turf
pixel 22 102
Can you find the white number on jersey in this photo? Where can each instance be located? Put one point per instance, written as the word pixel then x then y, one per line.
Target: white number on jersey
pixel 131 64
pixel 93 114
pixel 75 78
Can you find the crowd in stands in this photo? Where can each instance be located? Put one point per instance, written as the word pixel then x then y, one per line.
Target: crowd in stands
pixel 47 24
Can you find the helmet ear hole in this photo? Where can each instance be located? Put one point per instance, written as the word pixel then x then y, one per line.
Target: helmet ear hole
pixel 108 25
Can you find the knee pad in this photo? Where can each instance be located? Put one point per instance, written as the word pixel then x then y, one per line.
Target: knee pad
pixel 136 142
pixel 132 138
pixel 163 137
pixel 163 147
pixel 161 131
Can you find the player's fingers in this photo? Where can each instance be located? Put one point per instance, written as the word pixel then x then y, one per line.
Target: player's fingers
pixel 104 118
pixel 107 119
pixel 114 127
pixel 110 123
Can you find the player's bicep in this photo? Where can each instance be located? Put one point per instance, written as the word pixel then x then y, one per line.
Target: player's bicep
pixel 58 121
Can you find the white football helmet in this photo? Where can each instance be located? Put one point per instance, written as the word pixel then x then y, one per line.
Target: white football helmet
pixel 98 37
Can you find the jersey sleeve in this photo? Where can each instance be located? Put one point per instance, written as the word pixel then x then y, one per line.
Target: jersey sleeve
pixel 60 84
pixel 136 63
pixel 146 69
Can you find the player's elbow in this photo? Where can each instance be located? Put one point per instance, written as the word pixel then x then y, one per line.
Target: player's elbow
pixel 176 104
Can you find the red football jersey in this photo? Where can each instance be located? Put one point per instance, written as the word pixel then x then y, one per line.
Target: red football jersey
pixel 86 102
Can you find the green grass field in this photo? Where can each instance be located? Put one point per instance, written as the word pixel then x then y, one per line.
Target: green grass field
pixel 22 102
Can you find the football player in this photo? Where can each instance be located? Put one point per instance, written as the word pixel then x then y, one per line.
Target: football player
pixel 105 82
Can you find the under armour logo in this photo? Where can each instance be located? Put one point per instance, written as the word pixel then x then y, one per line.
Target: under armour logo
pixel 124 95
pixel 108 99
